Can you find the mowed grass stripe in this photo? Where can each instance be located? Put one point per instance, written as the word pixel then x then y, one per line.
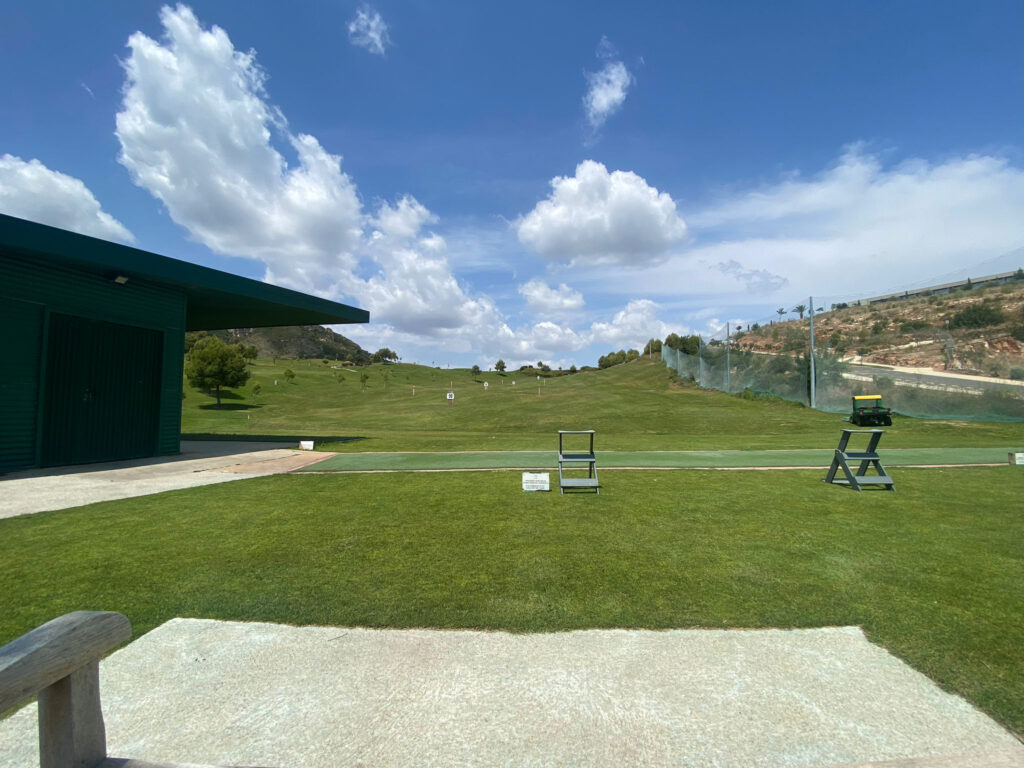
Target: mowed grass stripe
pixel 362 462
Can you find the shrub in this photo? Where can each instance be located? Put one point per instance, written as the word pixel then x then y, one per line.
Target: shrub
pixel 1017 374
pixel 977 316
pixel 909 326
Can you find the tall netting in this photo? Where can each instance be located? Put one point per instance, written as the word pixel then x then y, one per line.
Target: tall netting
pixel 788 375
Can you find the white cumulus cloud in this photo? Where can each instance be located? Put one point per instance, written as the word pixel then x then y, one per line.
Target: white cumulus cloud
pixel 607 88
pixel 600 217
pixel 369 30
pixel 415 290
pixel 30 190
pixel 541 297
pixel 631 327
pixel 196 132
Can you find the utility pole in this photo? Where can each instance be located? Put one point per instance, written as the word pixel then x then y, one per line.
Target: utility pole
pixel 728 369
pixel 700 358
pixel 810 304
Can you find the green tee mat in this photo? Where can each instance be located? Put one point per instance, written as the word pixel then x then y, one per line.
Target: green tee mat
pixel 366 462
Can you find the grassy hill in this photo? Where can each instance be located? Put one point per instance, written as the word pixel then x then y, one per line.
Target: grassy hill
pixel 634 406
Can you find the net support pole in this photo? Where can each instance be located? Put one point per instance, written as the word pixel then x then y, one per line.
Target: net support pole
pixel 728 371
pixel 810 305
pixel 700 359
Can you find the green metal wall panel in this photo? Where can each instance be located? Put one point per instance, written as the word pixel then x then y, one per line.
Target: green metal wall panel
pixel 70 292
pixel 22 325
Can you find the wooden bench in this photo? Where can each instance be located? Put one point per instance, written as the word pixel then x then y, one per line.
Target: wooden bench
pixel 60 661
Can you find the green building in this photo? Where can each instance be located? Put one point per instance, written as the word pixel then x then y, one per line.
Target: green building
pixel 93 342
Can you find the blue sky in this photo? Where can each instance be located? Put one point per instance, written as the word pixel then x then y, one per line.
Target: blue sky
pixel 529 181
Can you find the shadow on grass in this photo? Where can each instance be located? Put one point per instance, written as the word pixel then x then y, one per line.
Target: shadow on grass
pixel 228 407
pixel 247 437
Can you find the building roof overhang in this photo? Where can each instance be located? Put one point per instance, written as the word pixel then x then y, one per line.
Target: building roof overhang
pixel 214 299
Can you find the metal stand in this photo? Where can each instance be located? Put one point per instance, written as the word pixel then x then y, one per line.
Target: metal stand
pixel 577 461
pixel 868 458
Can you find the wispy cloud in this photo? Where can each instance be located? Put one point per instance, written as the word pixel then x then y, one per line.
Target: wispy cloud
pixel 607 88
pixel 369 30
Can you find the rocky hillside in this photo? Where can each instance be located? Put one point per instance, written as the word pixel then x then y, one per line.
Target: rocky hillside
pixel 298 342
pixel 978 331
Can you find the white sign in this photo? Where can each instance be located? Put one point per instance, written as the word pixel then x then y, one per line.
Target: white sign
pixel 536 481
pixel 1017 459
pixel 451 395
pixel 305 445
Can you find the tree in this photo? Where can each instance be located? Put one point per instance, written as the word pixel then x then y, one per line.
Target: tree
pixel 781 311
pixel 383 355
pixel 191 337
pixel 475 371
pixel 212 364
pixel 653 346
pixel 572 368
pixel 248 351
pixel 800 309
pixel 256 389
pixel 289 375
pixel 500 366
pixel 363 378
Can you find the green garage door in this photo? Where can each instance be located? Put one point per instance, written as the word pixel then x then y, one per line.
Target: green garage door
pixel 102 398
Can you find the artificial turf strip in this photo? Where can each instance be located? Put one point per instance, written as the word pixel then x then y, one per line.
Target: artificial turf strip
pixel 930 572
pixel 364 462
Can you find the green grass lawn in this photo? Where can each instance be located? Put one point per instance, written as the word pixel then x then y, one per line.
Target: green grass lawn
pixel 934 572
pixel 636 406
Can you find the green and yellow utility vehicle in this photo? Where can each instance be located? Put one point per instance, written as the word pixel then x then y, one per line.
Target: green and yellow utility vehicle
pixel 868 411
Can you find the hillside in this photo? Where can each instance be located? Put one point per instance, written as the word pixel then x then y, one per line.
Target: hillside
pixel 979 331
pixel 298 343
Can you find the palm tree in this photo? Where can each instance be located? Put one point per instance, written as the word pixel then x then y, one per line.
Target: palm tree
pixel 801 308
pixel 781 312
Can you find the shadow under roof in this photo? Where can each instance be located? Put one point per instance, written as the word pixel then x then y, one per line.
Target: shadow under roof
pixel 215 299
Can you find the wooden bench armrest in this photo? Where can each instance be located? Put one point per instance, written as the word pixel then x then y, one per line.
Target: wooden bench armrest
pixel 53 651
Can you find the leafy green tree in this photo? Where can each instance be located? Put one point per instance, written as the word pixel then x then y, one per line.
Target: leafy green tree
pixel 572 369
pixel 256 389
pixel 363 378
pixel 383 355
pixel 289 375
pixel 500 366
pixel 475 370
pixel 212 364
pixel 191 337
pixel 248 351
pixel 653 346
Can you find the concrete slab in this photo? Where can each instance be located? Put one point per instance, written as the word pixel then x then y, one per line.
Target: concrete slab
pixel 200 463
pixel 261 694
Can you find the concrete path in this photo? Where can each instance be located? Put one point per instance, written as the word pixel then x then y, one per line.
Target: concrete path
pixel 200 463
pixel 262 694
